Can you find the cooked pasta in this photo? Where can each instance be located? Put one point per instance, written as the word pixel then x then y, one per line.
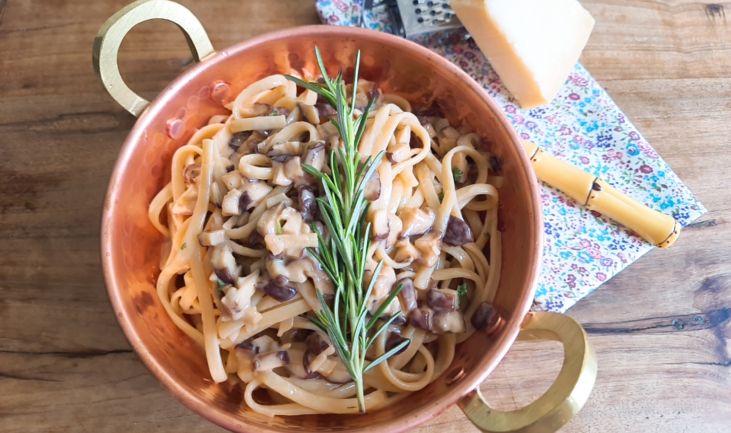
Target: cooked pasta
pixel 240 216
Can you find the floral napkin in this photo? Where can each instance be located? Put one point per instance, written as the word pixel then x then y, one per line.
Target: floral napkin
pixel 583 127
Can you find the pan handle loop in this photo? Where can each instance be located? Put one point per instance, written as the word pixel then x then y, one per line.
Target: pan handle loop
pixel 110 36
pixel 563 399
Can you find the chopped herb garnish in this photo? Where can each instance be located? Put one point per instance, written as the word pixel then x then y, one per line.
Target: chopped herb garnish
pixel 184 246
pixel 274 113
pixel 278 227
pixel 219 288
pixel 441 197
pixel 461 293
pixel 344 257
pixel 457 173
pixel 487 235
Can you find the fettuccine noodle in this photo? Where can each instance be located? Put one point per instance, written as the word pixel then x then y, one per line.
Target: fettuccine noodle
pixel 240 213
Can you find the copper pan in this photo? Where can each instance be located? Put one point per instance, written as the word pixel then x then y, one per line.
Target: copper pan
pixel 131 246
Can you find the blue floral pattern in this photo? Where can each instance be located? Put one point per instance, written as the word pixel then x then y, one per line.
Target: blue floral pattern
pixel 584 127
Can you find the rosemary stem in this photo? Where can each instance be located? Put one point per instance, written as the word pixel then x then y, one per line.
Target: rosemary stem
pixel 361 396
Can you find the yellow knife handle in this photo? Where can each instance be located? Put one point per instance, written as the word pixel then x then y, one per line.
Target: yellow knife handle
pixel 657 228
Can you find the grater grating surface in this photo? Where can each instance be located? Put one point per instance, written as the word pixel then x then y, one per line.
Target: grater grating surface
pixel 414 17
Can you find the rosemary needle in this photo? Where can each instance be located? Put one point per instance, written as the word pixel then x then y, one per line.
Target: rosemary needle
pixel 344 209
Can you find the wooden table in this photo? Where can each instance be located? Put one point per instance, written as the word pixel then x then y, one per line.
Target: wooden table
pixel 661 328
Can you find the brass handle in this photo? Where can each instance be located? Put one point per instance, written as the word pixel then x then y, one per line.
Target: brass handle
pixel 657 228
pixel 109 38
pixel 563 399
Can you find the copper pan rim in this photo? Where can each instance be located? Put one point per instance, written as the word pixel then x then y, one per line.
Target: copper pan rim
pixel 232 421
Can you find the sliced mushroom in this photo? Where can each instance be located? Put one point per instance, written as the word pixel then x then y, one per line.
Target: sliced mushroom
pixel 416 221
pixel 401 320
pixel 237 300
pixel 293 170
pixel 307 359
pixel 383 285
pixel 450 132
pixel 286 171
pixel 442 300
pixel 295 335
pixel 245 202
pixel 265 344
pixel 224 263
pixel 452 321
pixel 399 153
pixel 407 295
pixel 327 130
pixel 230 205
pixel 215 220
pixel 278 288
pixel 191 173
pixel 238 138
pixel 248 345
pixel 495 164
pixel 270 361
pixel 216 195
pixel 373 187
pixel 290 246
pixel 299 270
pixel 279 177
pixel 310 113
pixel 415 142
pixel 391 309
pixel 429 247
pixel 447 144
pixel 316 344
pixel 232 180
pixel 440 124
pixel 211 238
pixel 380 225
pixel 269 221
pixel 319 227
pixel 421 318
pixel 394 340
pixel 298 366
pixel 252 143
pixel 286 148
pixel 458 232
pixel 486 318
pixel 279 111
pixel 337 373
pixel 256 192
pixel 315 155
pixel 406 253
pixel 282 158
pixel 307 203
pixel 325 110
pixel 294 116
pixel 394 229
pixel 255 238
pixel 257 109
pixel 374 92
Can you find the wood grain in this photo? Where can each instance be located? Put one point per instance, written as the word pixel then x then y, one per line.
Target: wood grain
pixel 661 328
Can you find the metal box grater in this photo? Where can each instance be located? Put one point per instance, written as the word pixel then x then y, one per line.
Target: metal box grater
pixel 413 17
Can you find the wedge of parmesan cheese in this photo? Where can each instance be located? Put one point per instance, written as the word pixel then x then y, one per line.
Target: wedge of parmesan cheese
pixel 532 44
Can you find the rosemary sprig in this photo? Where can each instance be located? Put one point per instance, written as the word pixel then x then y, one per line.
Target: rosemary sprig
pixel 344 210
